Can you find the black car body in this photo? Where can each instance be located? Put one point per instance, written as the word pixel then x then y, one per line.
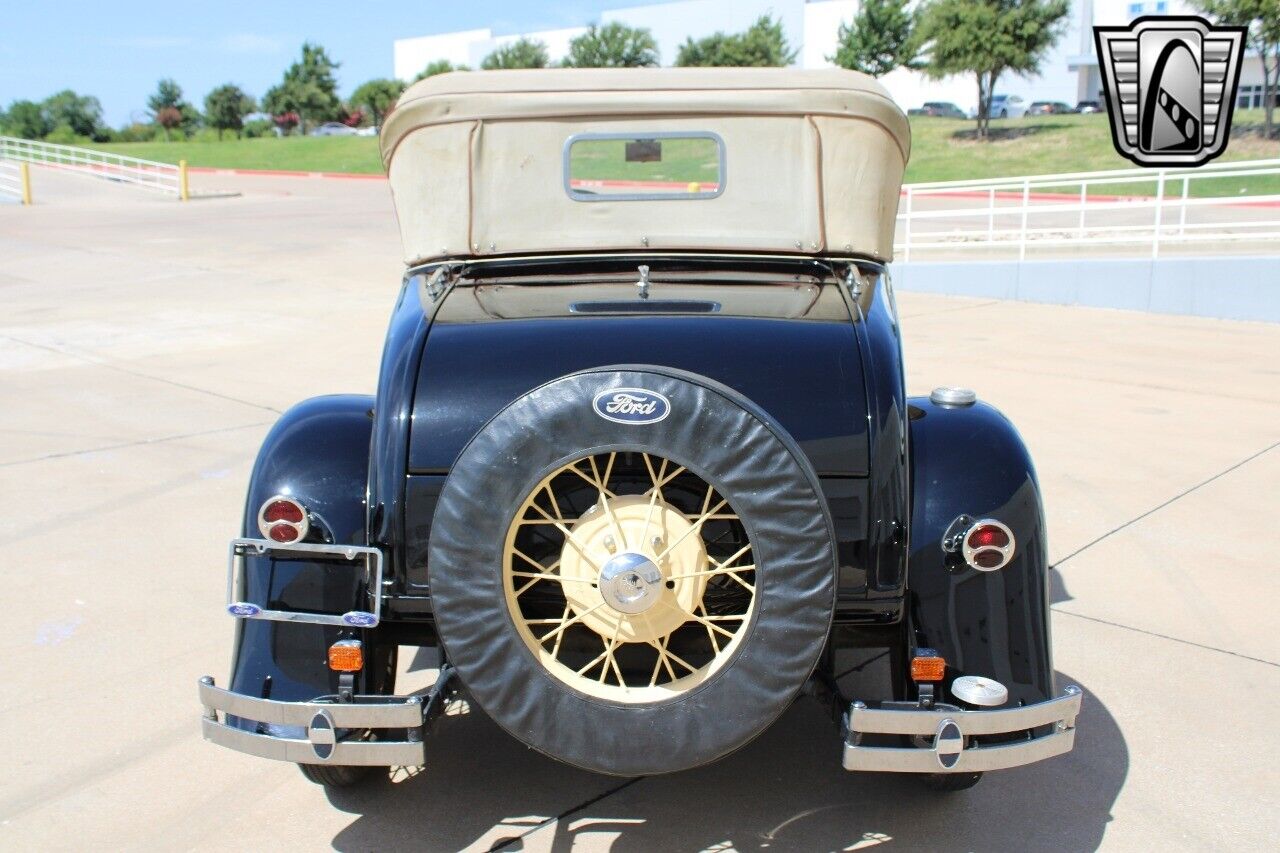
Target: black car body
pixel 641 466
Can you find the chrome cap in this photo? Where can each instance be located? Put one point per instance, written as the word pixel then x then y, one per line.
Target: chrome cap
pixel 949 395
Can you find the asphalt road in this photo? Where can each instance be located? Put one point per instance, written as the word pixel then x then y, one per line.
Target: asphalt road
pixel 146 346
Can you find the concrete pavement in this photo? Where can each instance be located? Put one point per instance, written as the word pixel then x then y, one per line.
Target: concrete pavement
pixel 146 346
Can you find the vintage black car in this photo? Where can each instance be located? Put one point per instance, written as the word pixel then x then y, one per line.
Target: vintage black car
pixel 640 463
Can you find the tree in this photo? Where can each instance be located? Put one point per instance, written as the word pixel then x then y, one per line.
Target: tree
pixel 28 120
pixel 880 38
pixel 615 45
pixel 1262 17
pixel 378 97
pixel 82 114
pixel 762 44
pixel 226 106
pixel 987 38
pixel 439 66
pixel 309 88
pixel 168 109
pixel 522 53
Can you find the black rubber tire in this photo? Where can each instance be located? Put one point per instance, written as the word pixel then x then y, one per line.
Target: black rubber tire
pixel 950 782
pixel 337 776
pixel 723 438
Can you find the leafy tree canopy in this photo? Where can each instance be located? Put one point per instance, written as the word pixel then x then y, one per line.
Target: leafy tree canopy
pixel 762 44
pixel 28 120
pixel 880 38
pixel 169 109
pixel 378 97
pixel 309 88
pixel 82 114
pixel 226 106
pixel 440 66
pixel 1262 17
pixel 522 53
pixel 986 38
pixel 614 45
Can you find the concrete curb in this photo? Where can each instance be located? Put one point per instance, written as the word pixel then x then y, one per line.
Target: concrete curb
pixel 1231 288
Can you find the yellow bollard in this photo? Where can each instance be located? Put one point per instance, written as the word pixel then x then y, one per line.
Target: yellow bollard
pixel 25 171
pixel 184 190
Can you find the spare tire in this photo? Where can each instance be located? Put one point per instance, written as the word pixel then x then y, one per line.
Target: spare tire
pixel 632 569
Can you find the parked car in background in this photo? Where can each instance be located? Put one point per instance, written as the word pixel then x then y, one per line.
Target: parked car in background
pixel 938 109
pixel 1088 107
pixel 367 131
pixel 1007 106
pixel 1049 108
pixel 333 128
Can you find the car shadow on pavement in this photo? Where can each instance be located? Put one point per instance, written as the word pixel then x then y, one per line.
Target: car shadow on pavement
pixel 481 789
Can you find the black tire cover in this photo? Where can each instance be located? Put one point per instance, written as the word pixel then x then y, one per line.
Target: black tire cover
pixel 729 442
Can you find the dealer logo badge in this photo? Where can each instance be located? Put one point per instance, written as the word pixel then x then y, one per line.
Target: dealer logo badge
pixel 1170 83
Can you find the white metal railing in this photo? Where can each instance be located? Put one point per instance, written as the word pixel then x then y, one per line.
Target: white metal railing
pixel 10 179
pixel 1090 208
pixel 161 177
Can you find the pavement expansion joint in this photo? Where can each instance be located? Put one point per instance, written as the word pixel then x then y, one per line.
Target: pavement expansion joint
pixel 1057 564
pixel 1158 635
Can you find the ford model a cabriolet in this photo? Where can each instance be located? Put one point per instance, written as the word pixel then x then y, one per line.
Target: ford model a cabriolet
pixel 640 464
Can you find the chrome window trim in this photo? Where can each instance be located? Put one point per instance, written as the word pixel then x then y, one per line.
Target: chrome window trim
pixel 721 181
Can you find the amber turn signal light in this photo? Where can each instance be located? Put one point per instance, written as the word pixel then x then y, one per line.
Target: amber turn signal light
pixel 927 665
pixel 346 656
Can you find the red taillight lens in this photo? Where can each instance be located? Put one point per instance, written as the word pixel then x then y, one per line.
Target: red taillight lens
pixel 988 536
pixel 988 559
pixel 283 532
pixel 283 510
pixel 284 520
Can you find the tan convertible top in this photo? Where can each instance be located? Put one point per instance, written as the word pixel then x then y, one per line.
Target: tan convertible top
pixel 813 161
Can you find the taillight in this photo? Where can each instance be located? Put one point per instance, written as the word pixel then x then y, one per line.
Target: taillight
pixel 988 545
pixel 284 520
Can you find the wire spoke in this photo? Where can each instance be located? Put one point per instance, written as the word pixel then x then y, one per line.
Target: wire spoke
pixel 711 634
pixel 569 624
pixel 750 567
pixel 697 527
pixel 708 621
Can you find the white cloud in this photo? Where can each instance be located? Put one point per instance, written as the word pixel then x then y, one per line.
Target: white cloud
pixel 150 42
pixel 250 43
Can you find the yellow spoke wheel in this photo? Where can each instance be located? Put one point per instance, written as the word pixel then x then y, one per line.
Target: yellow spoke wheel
pixel 628 577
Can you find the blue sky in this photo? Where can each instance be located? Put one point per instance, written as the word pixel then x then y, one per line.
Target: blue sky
pixel 118 50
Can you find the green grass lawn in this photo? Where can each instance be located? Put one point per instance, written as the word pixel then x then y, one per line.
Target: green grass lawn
pixel 945 150
pixel 942 150
pixel 293 153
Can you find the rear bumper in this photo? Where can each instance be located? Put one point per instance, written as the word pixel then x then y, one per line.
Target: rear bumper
pixel 1049 729
pixel 322 727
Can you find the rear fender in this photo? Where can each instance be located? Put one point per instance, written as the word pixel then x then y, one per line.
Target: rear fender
pixel 969 460
pixel 318 453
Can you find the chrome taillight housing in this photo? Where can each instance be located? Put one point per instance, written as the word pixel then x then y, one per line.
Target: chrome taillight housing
pixel 985 544
pixel 283 519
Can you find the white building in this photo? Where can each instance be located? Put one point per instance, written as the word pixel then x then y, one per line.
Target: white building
pixel 1069 72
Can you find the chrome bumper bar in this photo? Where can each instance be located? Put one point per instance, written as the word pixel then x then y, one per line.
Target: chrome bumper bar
pixel 319 722
pixel 953 734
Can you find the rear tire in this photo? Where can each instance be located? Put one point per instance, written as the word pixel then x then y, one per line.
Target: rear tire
pixel 336 776
pixel 946 783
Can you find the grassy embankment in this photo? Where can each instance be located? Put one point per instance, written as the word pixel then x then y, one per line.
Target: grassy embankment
pixel 942 150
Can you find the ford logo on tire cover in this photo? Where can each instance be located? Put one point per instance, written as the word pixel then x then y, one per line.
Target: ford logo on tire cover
pixel 631 406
